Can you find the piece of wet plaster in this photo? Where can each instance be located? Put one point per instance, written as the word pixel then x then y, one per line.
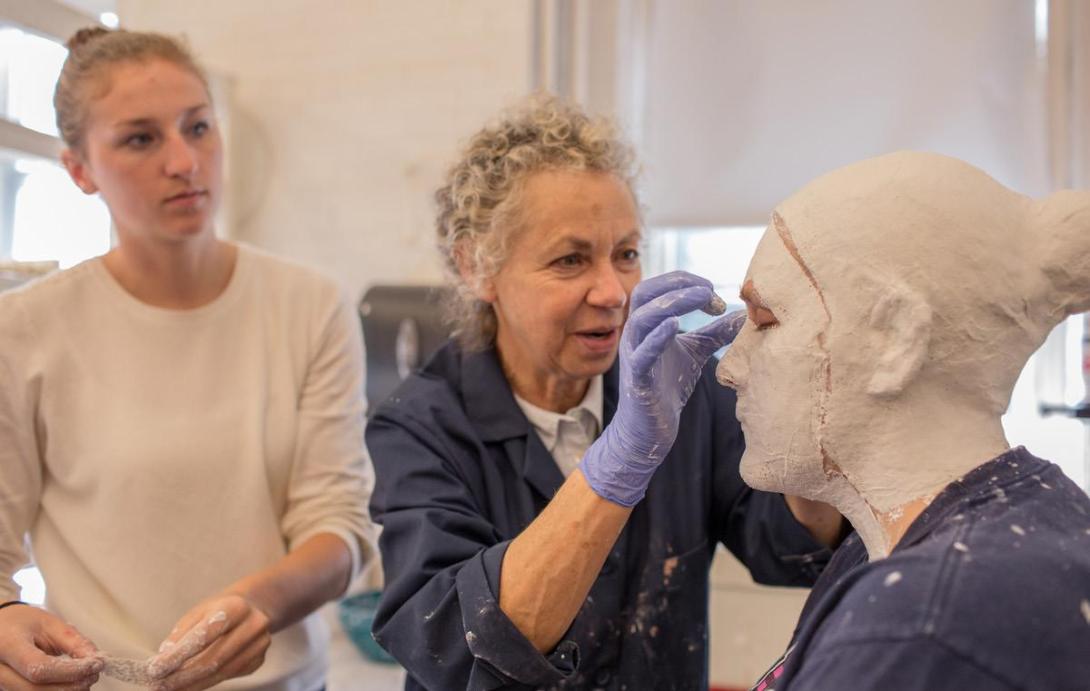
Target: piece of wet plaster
pixel 123 669
pixel 131 671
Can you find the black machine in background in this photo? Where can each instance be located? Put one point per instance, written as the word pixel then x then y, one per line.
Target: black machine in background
pixel 402 327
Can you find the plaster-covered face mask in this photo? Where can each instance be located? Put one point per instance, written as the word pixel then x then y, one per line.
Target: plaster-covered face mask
pixel 907 293
pixel 780 368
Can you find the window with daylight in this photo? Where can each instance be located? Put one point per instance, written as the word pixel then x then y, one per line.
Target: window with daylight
pixel 43 216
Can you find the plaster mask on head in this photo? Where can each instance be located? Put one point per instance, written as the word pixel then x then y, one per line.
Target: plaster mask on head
pixel 907 293
pixel 779 367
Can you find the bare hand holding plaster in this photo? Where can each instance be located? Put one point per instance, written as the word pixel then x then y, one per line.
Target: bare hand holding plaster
pixel 219 639
pixel 38 650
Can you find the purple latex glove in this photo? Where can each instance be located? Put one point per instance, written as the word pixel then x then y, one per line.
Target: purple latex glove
pixel 659 369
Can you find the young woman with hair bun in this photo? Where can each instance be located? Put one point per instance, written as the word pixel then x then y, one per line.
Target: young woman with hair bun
pixel 181 419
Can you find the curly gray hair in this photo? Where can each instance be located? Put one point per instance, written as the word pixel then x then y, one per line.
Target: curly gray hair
pixel 478 207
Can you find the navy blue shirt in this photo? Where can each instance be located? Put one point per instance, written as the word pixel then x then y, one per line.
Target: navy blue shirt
pixel 988 589
pixel 460 473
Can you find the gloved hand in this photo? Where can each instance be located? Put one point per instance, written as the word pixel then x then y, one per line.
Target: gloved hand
pixel 659 369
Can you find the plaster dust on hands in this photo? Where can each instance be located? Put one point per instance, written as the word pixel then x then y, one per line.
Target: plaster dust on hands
pixel 173 655
pixel 131 671
pixel 151 671
pixel 122 669
pixel 67 664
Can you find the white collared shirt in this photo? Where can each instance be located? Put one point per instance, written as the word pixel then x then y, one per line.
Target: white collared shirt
pixel 567 436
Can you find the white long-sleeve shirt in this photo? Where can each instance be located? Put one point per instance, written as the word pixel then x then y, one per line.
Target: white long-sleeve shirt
pixel 155 456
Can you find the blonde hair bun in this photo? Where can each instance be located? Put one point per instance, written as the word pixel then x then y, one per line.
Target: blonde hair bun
pixel 85 36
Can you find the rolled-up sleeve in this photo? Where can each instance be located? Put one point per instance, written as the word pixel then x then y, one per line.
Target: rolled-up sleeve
pixel 20 465
pixel 332 477
pixel 439 615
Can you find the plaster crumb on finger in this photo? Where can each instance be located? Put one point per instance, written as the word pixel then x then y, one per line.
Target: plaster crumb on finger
pixel 217 617
pixel 715 306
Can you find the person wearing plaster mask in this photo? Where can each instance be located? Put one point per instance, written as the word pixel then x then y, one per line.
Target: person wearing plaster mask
pixel 181 419
pixel 524 546
pixel 894 303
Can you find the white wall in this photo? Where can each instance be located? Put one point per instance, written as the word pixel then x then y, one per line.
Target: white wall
pixel 747 101
pixel 346 113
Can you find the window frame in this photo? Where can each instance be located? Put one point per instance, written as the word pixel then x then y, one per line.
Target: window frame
pixel 53 21
pixel 49 19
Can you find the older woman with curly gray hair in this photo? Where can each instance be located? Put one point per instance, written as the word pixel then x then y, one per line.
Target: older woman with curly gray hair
pixel 554 482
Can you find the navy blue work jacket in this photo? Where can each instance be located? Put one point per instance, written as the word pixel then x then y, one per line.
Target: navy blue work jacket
pixel 460 473
pixel 989 590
